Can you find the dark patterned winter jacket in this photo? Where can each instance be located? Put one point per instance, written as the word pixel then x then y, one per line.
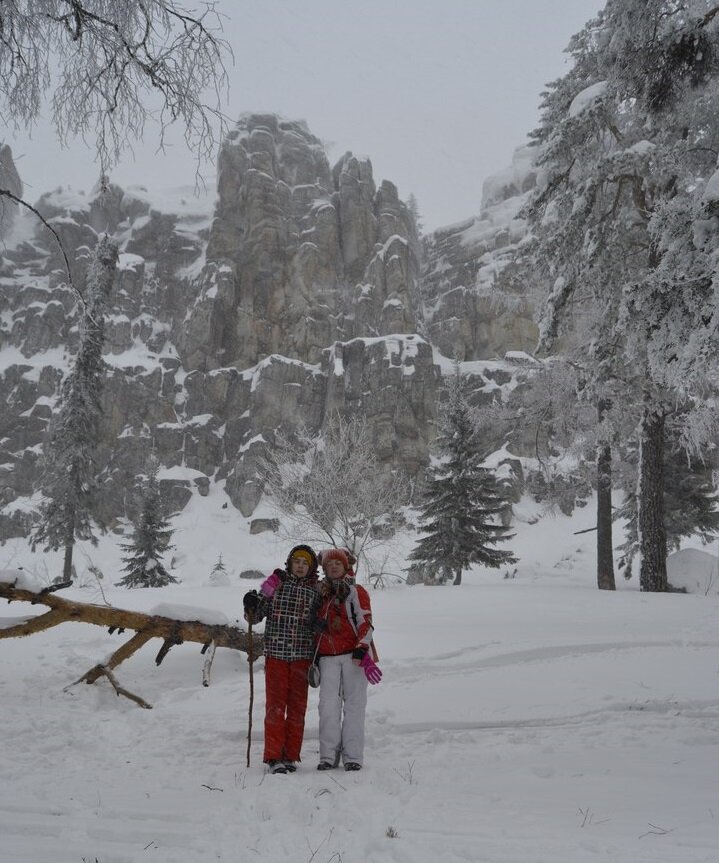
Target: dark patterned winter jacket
pixel 290 614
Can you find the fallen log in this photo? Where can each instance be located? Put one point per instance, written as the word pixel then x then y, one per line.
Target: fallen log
pixel 145 626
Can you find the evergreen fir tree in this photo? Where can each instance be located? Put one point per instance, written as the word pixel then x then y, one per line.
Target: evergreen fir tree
pixel 151 538
pixel 70 471
pixel 463 499
pixel 219 576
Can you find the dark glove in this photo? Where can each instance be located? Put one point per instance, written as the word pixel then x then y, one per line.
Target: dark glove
pixel 250 601
pixel 319 625
pixel 359 653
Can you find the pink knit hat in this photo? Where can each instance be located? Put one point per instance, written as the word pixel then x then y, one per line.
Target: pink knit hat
pixel 335 554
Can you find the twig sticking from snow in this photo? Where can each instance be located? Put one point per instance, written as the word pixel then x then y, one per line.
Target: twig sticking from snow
pixel 102 671
pixel 655 831
pixel 326 839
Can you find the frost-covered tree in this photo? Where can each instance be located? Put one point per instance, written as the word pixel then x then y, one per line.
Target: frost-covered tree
pixel 107 67
pixel 332 488
pixel 558 417
pixel 463 500
pixel 69 479
pixel 413 208
pixel 628 140
pixel 150 539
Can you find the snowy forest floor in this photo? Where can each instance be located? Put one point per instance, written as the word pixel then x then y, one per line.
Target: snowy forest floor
pixel 532 719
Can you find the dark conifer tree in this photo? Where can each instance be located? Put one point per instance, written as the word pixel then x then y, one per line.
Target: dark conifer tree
pixel 463 500
pixel 150 540
pixel 70 472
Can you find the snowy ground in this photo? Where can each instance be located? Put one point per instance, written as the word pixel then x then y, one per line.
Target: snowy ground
pixel 524 720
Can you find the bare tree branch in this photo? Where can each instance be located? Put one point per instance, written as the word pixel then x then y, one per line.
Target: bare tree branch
pixel 111 65
pixel 332 488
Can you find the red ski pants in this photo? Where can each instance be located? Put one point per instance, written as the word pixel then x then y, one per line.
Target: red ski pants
pixel 285 708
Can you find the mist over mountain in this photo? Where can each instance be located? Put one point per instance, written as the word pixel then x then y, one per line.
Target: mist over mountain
pixel 295 291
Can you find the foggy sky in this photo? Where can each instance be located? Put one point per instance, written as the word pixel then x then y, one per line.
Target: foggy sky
pixel 437 93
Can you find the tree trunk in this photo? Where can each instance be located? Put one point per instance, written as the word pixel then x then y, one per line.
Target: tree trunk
pixel 67 562
pixel 146 625
pixel 652 531
pixel 69 545
pixel 458 576
pixel 605 555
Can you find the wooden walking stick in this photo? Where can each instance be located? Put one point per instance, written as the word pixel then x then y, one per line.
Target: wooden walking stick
pixel 251 660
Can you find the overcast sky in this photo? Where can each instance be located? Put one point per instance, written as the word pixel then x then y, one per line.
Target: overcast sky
pixel 437 93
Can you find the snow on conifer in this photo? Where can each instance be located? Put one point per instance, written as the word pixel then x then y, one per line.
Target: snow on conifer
pixel 70 470
pixel 463 500
pixel 143 563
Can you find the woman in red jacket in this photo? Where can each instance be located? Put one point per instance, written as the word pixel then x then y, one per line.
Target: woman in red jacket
pixel 346 659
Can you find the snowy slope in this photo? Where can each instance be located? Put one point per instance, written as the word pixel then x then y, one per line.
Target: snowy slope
pixel 522 720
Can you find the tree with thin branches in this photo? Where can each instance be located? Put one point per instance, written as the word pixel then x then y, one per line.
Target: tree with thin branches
pixel 108 67
pixel 331 488
pixel 105 64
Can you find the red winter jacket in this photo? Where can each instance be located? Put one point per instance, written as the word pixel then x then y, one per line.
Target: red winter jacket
pixel 348 614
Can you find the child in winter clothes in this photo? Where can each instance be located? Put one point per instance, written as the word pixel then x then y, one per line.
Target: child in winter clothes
pixel 289 599
pixel 345 651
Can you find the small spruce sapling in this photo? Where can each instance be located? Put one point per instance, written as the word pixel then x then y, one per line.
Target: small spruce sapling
pixel 219 576
pixel 151 538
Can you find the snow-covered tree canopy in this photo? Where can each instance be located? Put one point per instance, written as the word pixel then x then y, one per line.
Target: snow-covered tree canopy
pixel 624 215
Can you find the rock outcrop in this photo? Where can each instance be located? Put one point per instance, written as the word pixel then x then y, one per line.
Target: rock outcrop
pixel 225 327
pixel 294 295
pixel 475 306
pixel 298 255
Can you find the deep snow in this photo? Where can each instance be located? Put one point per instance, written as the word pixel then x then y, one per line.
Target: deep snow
pixel 531 719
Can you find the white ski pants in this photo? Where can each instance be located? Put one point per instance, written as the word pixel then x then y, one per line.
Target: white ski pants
pixel 343 699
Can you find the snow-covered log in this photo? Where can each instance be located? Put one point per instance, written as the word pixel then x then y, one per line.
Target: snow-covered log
pixel 146 627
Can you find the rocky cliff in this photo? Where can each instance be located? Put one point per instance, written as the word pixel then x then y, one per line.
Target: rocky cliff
pixel 293 295
pixel 475 306
pixel 299 255
pixel 294 292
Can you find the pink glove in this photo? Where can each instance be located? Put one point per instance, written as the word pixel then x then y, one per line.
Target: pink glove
pixel 371 669
pixel 270 584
